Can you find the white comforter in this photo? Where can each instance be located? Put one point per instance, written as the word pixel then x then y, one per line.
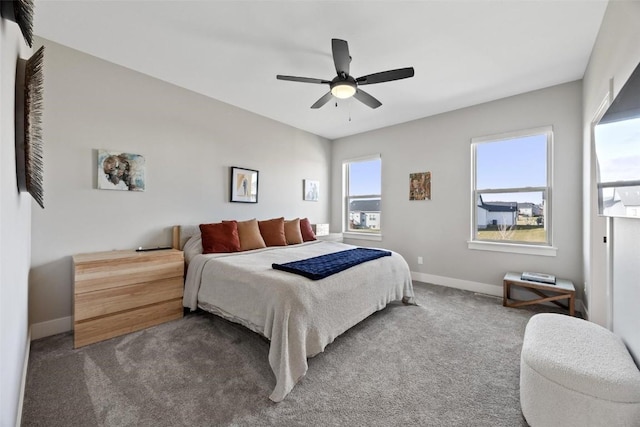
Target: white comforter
pixel 300 316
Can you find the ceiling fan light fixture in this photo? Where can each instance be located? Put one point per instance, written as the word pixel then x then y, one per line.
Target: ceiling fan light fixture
pixel 343 89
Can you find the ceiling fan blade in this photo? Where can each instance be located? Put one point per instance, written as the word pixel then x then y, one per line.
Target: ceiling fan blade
pixel 341 57
pixel 366 99
pixel 302 79
pixel 320 102
pixel 386 76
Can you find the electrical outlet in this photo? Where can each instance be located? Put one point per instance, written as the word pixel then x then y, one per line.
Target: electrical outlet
pixel 420 260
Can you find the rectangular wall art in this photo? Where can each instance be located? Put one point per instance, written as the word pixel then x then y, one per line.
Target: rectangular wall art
pixel 120 171
pixel 311 190
pixel 244 185
pixel 420 186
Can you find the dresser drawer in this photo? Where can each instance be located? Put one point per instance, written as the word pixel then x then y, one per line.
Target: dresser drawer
pixel 93 274
pixel 102 328
pixel 113 300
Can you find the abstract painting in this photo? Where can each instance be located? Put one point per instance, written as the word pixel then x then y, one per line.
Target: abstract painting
pixel 120 171
pixel 420 186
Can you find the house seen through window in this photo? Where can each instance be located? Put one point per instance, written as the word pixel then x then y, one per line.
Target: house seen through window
pixel 512 187
pixel 362 195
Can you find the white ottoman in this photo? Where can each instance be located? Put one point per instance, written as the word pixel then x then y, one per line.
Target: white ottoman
pixel 576 373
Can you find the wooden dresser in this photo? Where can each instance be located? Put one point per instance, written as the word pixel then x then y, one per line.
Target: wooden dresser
pixel 118 292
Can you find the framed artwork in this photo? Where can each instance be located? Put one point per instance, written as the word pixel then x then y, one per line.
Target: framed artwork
pixel 420 186
pixel 120 171
pixel 244 185
pixel 311 190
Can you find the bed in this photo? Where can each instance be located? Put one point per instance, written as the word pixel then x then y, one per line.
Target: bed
pixel 299 316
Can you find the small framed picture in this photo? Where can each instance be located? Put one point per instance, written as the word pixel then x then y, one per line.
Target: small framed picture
pixel 120 171
pixel 420 186
pixel 244 185
pixel 311 190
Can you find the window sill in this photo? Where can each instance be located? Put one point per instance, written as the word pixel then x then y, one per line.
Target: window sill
pixel 362 236
pixel 513 248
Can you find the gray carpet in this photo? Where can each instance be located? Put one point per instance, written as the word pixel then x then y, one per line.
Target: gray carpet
pixel 452 361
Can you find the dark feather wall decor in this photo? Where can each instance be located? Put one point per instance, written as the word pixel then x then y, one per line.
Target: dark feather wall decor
pixel 20 12
pixel 29 144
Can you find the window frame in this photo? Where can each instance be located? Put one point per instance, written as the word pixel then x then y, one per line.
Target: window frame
pixel 531 248
pixel 368 235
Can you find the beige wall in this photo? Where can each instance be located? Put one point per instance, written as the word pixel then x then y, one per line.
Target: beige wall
pixel 615 55
pixel 15 235
pixel 189 142
pixel 438 230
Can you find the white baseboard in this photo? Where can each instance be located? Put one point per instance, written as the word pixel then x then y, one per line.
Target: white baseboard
pixel 51 327
pixel 467 285
pixel 481 288
pixel 23 382
pixel 64 324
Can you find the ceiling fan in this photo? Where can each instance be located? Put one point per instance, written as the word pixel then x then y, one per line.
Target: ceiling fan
pixel 343 85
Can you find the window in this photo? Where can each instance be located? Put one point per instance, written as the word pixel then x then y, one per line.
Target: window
pixel 511 188
pixel 617 152
pixel 362 196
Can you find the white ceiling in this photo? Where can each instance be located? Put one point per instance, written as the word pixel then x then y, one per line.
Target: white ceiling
pixel 464 52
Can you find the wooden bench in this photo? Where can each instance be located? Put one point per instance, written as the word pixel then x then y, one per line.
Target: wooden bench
pixel 563 289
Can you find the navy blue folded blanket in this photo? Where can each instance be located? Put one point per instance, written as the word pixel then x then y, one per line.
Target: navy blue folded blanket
pixel 319 267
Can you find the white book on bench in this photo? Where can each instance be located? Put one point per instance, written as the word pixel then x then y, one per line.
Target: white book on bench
pixel 539 277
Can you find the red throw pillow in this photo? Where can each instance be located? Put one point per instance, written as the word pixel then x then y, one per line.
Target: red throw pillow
pixel 272 231
pixel 307 232
pixel 220 237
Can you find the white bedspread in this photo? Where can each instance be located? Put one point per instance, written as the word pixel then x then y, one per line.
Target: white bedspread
pixel 300 316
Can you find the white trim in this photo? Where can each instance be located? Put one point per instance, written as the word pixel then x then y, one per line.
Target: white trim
pixel 362 158
pixel 51 327
pixel 23 382
pixel 608 255
pixel 513 248
pixel 583 309
pixel 550 201
pixel 466 285
pixel 362 236
pixel 514 134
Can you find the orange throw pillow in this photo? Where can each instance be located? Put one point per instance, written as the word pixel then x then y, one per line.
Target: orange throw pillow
pixel 219 237
pixel 272 231
pixel 249 235
pixel 292 231
pixel 307 232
